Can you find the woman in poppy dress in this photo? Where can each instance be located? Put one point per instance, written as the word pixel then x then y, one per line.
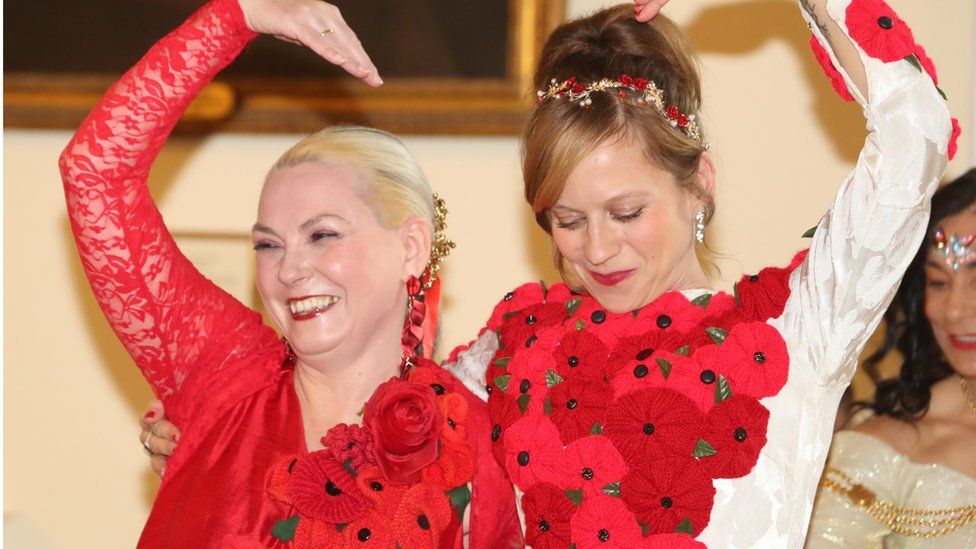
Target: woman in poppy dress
pixel 633 406
pixel 348 238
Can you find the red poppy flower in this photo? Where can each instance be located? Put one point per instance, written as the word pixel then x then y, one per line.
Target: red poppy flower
pixel 280 479
pixel 954 138
pixel 315 534
pixel 322 489
pixel 668 491
pixel 522 328
pixel 604 522
pixel 454 467
pixel 836 80
pixel 370 530
pixel 577 404
pixel 590 464
pixel 736 429
pixel 763 296
pixel 580 354
pixel 878 30
pixel 692 378
pixel 454 411
pixel 350 443
pixel 798 259
pixel 532 449
pixel 382 495
pixel 423 515
pixel 632 352
pixel 503 411
pixel 526 377
pixel 671 312
pixel 547 515
pixel 654 422
pixel 644 374
pixel 524 296
pixel 674 541
pixel 754 359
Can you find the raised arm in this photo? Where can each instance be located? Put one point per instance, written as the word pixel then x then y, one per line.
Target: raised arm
pixel 865 242
pixel 169 317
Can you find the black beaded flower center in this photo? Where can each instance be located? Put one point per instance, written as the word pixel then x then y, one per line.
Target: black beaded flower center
pixel 524 386
pixel 753 278
pixel 603 535
pixel 644 354
pixel 640 371
pixel 648 429
pixel 885 22
pixel 332 489
pixel 740 434
pixel 451 423
pixel 598 317
pixel 530 320
pixel 509 296
pixel 759 357
pixel 573 362
pixel 496 432
pixel 666 502
pixel 571 404
pixel 438 388
pixel 363 535
pixel 587 473
pixel 544 525
pixel 423 522
pixel 707 377
pixel 531 341
pixel 376 486
pixel 663 321
pixel 523 458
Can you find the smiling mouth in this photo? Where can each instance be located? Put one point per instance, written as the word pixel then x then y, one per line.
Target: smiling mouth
pixel 611 279
pixel 303 308
pixel 963 342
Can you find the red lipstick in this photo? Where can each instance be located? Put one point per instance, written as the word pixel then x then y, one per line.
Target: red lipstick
pixel 611 279
pixel 963 343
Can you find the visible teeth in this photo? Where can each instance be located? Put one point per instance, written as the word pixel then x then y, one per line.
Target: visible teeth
pixel 313 303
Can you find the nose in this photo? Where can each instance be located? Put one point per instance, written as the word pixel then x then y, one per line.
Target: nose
pixel 602 243
pixel 294 267
pixel 962 300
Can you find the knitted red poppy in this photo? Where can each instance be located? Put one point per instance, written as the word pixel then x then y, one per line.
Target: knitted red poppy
pixel 370 530
pixel 591 464
pixel 632 352
pixel 580 354
pixel 524 296
pixel 578 404
pixel 878 30
pixel 547 514
pixel 646 373
pixel 423 515
pixel 667 492
pixel 652 423
pixel 755 360
pixel 281 479
pixel 383 496
pixel 674 541
pixel 763 296
pixel 692 378
pixel 736 429
pixel 454 413
pixel 519 329
pixel 954 138
pixel 503 412
pixel 322 489
pixel 672 312
pixel 532 449
pixel 604 522
pixel 836 80
pixel 313 534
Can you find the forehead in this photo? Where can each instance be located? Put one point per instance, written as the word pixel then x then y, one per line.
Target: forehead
pixel 960 224
pixel 294 191
pixel 612 169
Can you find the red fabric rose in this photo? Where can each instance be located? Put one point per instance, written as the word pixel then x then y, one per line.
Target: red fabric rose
pixel 383 496
pixel 350 443
pixel 423 516
pixel 405 424
pixel 519 298
pixel 754 359
pixel 322 489
pixel 836 80
pixel 651 423
pixel 954 138
pixel 878 30
pixel 674 541
pixel 547 514
pixel 667 491
pixel 590 464
pixel 580 354
pixel 576 405
pixel 532 449
pixel 736 429
pixel 604 522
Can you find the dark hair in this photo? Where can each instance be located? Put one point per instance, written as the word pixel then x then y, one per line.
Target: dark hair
pixel 907 329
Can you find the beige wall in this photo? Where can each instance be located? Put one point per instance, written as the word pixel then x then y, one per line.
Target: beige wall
pixel 74 474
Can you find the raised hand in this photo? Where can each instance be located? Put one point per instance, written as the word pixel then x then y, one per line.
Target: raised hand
pixel 645 10
pixel 317 25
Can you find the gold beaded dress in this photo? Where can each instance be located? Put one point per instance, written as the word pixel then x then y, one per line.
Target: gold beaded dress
pixel 872 496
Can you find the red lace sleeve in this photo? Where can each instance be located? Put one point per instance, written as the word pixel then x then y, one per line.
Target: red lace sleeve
pixel 177 325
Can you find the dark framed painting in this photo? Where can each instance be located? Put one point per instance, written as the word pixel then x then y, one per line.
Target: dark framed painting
pixel 450 66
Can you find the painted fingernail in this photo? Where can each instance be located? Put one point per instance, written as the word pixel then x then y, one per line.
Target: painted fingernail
pixel 176 438
pixel 149 415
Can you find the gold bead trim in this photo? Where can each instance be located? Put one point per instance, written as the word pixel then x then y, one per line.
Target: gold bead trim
pixel 966 395
pixel 441 246
pixel 907 521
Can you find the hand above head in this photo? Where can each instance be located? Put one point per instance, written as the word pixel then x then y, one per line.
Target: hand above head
pixel 317 25
pixel 645 10
pixel 159 437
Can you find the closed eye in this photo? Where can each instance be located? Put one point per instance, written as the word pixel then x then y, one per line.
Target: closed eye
pixel 624 218
pixel 264 245
pixel 320 235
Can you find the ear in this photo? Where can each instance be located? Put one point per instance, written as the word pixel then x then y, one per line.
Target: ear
pixel 706 176
pixel 415 236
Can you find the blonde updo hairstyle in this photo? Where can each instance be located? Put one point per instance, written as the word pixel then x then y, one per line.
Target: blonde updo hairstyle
pixel 560 133
pixel 394 186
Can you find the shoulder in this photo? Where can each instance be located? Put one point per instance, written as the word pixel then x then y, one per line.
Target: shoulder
pixel 901 436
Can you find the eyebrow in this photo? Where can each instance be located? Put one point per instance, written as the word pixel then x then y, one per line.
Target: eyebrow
pixel 305 226
pixel 609 201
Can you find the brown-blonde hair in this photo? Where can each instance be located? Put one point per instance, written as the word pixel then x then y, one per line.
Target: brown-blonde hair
pixel 560 133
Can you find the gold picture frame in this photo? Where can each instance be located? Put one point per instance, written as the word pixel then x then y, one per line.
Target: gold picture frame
pixel 255 103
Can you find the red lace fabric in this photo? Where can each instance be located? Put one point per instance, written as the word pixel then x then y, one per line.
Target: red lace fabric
pixel 217 368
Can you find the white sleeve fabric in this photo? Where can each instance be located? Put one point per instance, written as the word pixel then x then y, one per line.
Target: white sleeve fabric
pixel 472 363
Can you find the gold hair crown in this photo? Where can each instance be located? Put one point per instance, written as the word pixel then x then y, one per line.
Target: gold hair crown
pixel 440 246
pixel 645 92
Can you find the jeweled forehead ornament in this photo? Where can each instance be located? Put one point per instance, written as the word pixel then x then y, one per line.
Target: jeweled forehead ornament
pixel 955 250
pixel 644 92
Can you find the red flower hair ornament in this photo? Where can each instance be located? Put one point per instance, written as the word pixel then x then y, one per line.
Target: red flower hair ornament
pixel 406 424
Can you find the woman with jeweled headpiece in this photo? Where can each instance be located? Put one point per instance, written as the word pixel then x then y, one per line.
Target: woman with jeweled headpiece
pixel 342 433
pixel 903 473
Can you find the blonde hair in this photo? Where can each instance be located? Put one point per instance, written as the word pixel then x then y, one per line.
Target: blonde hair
pixel 394 185
pixel 560 133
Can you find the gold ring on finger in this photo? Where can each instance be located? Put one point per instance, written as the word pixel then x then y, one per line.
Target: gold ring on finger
pixel 323 32
pixel 145 444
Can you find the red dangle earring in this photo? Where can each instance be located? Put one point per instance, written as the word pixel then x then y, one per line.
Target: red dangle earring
pixel 412 337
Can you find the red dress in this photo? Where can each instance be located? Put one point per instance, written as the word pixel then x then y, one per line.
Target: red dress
pixel 215 365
